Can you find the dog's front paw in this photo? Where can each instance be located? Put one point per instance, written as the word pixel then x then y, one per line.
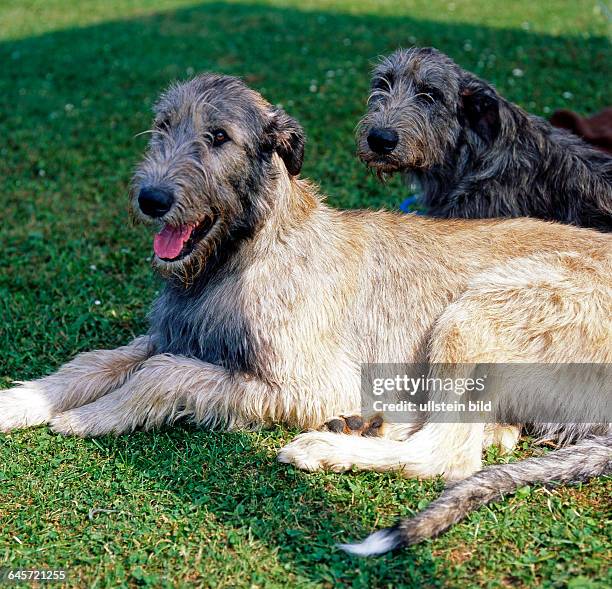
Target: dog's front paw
pixel 70 423
pixel 314 451
pixel 79 422
pixel 23 406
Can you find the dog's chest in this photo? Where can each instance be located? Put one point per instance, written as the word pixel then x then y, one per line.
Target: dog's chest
pixel 206 327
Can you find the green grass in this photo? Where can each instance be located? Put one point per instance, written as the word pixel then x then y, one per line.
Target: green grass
pixel 190 507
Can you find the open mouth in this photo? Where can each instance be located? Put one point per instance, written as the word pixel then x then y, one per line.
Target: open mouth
pixel 175 243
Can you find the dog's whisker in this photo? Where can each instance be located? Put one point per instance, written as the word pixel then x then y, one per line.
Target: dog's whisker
pixel 146 132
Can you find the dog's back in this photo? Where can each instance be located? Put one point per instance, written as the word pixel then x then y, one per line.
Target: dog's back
pixel 585 185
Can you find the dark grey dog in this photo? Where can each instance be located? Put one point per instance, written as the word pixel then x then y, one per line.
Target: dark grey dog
pixel 475 154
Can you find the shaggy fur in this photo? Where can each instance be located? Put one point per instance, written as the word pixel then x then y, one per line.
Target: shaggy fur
pixel 475 154
pixel 276 300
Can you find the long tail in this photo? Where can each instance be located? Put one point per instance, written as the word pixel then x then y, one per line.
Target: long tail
pixel 588 458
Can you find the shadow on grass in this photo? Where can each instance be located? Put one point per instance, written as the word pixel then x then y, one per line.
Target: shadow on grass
pixel 235 481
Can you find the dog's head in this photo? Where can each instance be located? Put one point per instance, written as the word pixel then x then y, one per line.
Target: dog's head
pixel 420 103
pixel 216 150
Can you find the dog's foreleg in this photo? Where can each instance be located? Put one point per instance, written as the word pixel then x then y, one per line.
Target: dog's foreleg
pixel 166 388
pixel 83 380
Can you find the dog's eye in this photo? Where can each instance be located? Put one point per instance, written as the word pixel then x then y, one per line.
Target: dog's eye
pixel 382 84
pixel 164 124
pixel 219 137
pixel 433 94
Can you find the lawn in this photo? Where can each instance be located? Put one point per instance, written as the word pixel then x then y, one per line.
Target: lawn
pixel 183 507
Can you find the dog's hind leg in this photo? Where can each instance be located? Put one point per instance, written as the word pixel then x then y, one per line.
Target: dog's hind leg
pixel 449 449
pixel 502 435
pixel 83 380
pixel 529 310
pixel 166 388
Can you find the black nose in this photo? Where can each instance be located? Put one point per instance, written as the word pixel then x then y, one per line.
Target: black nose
pixel 382 141
pixel 155 202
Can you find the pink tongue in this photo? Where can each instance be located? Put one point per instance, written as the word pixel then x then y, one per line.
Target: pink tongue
pixel 169 242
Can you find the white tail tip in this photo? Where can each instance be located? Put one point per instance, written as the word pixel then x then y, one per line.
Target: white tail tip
pixel 375 544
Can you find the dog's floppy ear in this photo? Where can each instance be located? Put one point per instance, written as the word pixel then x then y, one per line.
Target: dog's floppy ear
pixel 286 137
pixel 479 104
